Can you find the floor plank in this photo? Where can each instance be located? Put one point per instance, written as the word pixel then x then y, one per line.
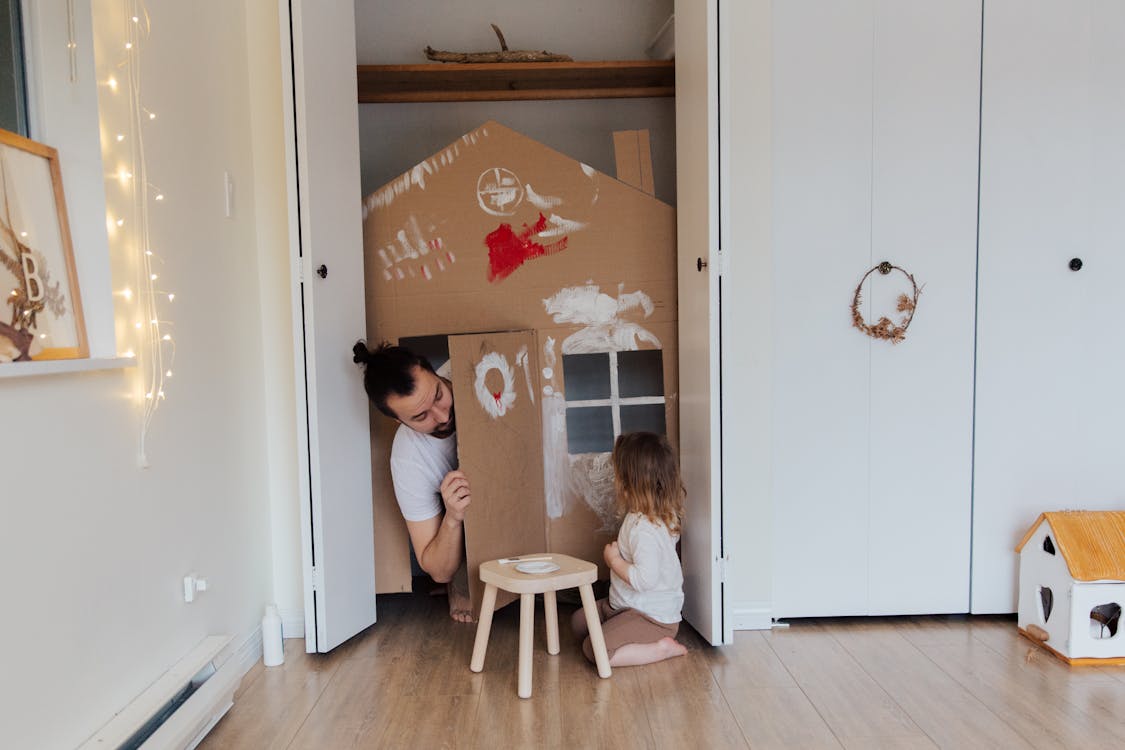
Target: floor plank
pixel 949 715
pixel 856 708
pixel 770 709
pixel 1018 690
pixel 270 708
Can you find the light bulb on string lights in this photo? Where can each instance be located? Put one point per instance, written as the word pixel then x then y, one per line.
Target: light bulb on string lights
pixel 124 116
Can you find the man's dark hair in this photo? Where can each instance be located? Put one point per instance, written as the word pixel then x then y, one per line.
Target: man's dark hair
pixel 388 370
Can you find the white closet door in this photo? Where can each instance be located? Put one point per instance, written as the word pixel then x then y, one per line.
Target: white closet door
pixel 335 461
pixel 1050 357
pixel 924 218
pixel 822 240
pixel 875 126
pixel 697 217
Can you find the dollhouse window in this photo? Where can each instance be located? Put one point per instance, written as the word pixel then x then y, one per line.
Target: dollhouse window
pixel 609 393
pixel 1046 603
pixel 1048 545
pixel 1104 620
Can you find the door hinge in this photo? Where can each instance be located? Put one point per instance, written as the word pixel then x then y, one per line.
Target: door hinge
pixel 724 266
pixel 300 270
pixel 316 578
pixel 721 568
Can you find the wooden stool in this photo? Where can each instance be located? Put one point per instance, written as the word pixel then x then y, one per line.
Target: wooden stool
pixel 572 573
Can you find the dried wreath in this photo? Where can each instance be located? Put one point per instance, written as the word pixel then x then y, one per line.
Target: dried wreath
pixel 886 328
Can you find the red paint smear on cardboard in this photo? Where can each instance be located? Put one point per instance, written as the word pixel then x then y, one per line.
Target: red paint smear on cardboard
pixel 507 250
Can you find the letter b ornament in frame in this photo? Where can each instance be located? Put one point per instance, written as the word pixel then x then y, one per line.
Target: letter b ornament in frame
pixel 40 306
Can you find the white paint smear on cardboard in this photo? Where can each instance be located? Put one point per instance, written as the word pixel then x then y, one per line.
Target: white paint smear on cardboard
pixel 560 226
pixel 591 478
pixel 556 465
pixel 549 358
pixel 522 361
pixel 542 202
pixel 420 243
pixel 599 313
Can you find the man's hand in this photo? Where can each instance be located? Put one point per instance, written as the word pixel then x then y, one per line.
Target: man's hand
pixel 456 495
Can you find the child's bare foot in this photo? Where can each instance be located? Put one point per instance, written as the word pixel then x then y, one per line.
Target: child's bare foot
pixel 460 605
pixel 634 654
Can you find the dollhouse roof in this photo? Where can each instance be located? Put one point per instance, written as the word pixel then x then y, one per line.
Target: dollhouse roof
pixel 1092 542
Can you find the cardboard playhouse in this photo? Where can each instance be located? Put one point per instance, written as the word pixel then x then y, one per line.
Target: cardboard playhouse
pixel 1072 585
pixel 546 291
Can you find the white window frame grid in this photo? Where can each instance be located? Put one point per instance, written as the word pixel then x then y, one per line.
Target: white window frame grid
pixel 615 400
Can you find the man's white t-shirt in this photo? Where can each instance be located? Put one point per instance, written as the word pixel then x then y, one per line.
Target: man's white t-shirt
pixel 418 464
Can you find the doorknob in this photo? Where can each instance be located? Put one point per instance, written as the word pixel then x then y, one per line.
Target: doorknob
pixel 1075 264
pixel 322 272
pixel 700 264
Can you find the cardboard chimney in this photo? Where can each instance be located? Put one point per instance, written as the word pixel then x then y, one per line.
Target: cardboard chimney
pixel 546 291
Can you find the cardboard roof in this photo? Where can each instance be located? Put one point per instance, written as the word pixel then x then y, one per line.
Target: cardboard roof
pixel 1092 542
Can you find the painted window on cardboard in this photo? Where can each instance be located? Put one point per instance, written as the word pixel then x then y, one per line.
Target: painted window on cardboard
pixel 609 393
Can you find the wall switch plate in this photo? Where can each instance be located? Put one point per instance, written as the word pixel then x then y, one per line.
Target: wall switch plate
pixel 228 193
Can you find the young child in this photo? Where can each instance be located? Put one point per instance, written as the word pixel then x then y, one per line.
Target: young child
pixel 641 617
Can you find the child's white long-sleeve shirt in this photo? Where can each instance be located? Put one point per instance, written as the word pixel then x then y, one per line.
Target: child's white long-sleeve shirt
pixel 656 585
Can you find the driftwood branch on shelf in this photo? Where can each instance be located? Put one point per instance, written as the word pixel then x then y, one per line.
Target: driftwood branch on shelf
pixel 503 56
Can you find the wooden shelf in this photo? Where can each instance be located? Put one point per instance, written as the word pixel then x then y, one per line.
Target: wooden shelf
pixel 454 82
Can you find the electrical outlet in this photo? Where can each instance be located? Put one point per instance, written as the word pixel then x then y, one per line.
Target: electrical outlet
pixel 193 585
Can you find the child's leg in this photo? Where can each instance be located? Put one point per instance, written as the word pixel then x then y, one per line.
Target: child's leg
pixel 578 620
pixel 632 639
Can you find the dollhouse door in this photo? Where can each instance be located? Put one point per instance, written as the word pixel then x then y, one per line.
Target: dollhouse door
pixel 329 317
pixel 698 267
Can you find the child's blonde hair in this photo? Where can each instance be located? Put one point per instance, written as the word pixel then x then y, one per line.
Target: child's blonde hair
pixel 647 478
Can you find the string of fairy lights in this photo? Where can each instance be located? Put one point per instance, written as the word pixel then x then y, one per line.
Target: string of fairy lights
pixel 145 301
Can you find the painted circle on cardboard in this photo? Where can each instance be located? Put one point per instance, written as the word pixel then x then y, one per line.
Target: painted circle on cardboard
pixel 499 191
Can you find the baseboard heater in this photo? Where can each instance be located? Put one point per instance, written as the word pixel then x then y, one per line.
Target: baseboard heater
pixel 178 710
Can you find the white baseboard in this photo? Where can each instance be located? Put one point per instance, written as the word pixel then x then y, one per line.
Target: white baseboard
pixel 752 616
pixel 187 728
pixel 188 725
pixel 292 623
pixel 242 656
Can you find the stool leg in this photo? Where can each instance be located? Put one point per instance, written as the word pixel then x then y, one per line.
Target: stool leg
pixel 527 631
pixel 551 614
pixel 597 640
pixel 484 627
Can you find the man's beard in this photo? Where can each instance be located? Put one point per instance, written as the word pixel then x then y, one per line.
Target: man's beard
pixel 443 431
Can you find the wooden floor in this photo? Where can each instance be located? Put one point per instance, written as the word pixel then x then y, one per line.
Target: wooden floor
pixel 950 682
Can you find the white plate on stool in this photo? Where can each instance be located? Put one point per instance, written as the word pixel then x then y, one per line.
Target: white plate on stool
pixel 537 567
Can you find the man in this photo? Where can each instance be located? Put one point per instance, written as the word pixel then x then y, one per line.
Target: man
pixel 432 494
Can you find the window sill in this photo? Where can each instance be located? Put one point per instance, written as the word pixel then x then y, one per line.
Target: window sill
pixel 50 367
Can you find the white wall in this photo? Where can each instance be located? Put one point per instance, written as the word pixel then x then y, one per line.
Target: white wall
pixel 93 547
pixel 394 137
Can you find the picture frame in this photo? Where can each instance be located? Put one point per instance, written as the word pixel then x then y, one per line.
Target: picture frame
pixel 41 305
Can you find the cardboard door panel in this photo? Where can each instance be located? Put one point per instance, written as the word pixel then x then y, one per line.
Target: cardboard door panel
pixel 500 448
